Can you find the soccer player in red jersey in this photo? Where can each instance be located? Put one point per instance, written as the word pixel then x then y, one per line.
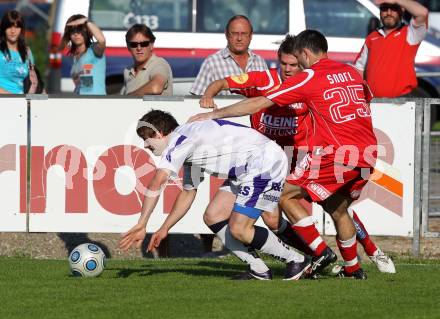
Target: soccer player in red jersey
pixel 334 173
pixel 290 131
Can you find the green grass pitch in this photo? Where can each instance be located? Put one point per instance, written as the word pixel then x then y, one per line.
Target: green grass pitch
pixel 201 288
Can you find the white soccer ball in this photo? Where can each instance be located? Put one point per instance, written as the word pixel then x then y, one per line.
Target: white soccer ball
pixel 87 260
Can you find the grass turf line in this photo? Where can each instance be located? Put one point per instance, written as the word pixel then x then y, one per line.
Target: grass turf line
pixel 201 288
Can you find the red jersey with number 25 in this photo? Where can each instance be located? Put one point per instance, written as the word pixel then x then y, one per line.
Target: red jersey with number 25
pixel 338 98
pixel 288 126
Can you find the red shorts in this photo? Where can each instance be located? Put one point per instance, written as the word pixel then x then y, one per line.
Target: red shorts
pixel 325 178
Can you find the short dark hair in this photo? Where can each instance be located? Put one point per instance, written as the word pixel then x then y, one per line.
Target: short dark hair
pixel 236 17
pixel 313 40
pixel 139 28
pixel 287 46
pixel 156 121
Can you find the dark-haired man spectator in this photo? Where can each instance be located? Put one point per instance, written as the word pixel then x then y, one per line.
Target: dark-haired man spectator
pixel 388 55
pixel 149 74
pixel 235 59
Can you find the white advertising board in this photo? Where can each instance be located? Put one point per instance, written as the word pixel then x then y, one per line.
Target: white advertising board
pixel 89 168
pixel 386 204
pixel 13 129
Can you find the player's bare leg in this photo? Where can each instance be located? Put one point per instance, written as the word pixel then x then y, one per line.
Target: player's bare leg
pixel 216 217
pixel 383 262
pixel 289 202
pixel 282 228
pixel 304 226
pixel 242 228
pixel 337 207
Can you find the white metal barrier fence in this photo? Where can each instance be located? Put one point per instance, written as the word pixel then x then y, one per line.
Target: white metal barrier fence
pixel 431 170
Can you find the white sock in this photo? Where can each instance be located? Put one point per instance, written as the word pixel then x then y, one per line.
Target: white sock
pixel 276 248
pixel 241 251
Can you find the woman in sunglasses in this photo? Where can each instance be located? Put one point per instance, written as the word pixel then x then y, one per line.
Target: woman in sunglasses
pixel 149 73
pixel 16 59
pixel 88 69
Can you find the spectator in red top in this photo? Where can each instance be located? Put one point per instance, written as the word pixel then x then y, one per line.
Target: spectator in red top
pixel 388 55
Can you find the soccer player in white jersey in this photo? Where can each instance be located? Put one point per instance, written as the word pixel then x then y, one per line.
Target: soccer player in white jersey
pixel 255 169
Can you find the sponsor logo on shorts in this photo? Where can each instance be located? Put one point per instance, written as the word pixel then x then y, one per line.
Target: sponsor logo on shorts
pixel 271 198
pixel 277 187
pixel 240 79
pixel 319 190
pixel 244 190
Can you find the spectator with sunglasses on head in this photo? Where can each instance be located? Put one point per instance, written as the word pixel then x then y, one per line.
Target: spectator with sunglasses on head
pixel 88 69
pixel 149 74
pixel 388 55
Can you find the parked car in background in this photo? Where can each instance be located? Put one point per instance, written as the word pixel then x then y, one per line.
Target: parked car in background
pixel 189 30
pixel 434 12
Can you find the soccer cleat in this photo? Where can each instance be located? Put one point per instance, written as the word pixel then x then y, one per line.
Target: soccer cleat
pixel 250 274
pixel 383 262
pixel 358 274
pixel 337 269
pixel 319 263
pixel 295 270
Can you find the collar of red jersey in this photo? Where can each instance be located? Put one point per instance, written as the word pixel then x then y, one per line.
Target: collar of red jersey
pixel 381 30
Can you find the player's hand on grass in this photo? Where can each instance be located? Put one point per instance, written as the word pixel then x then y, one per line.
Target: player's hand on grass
pixel 207 103
pixel 135 235
pixel 157 238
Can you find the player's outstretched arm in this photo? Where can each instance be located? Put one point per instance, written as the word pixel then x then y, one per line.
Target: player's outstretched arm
pixel 244 107
pixel 136 234
pixel 180 208
pixel 207 100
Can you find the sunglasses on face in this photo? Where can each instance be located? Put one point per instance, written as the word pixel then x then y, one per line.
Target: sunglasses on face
pixel 389 6
pixel 75 29
pixel 134 45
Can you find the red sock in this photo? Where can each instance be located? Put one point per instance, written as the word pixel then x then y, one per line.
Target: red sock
pixel 296 241
pixel 306 229
pixel 363 237
pixel 349 254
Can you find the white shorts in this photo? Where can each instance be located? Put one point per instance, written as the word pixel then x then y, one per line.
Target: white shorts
pixel 259 189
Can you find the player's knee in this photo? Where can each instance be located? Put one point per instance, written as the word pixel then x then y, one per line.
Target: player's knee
pixel 237 231
pixel 207 218
pixel 294 194
pixel 212 215
pixel 271 220
pixel 335 206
